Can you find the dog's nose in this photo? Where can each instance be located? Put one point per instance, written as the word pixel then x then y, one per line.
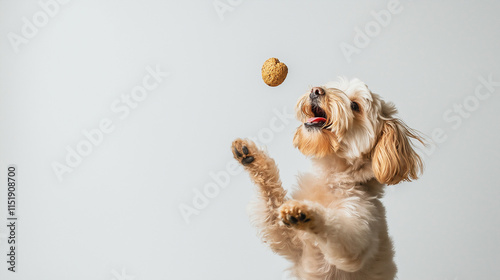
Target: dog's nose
pixel 316 92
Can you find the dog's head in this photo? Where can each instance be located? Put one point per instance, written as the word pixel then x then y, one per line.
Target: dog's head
pixel 347 120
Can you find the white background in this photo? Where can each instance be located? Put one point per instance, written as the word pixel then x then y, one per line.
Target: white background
pixel 116 215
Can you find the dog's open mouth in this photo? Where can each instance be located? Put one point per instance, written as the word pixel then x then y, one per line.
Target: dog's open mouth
pixel 319 118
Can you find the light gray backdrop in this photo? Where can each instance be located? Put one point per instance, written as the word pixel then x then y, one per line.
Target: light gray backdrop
pixel 153 194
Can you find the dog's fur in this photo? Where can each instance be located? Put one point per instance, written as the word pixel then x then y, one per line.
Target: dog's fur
pixel 334 226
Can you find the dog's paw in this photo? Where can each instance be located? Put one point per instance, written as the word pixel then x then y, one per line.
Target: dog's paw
pixel 296 214
pixel 243 151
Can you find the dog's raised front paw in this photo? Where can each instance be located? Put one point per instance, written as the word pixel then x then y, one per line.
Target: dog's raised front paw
pixel 242 151
pixel 295 213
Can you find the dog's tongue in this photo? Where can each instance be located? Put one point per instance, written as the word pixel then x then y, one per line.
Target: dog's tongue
pixel 316 120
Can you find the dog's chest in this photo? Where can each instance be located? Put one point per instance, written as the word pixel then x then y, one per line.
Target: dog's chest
pixel 313 265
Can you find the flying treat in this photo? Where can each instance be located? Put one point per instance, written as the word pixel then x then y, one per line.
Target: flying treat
pixel 274 72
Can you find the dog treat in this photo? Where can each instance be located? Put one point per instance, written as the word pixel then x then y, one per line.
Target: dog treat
pixel 274 72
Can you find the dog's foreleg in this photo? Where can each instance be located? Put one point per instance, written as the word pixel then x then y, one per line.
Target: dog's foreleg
pixel 265 174
pixel 347 235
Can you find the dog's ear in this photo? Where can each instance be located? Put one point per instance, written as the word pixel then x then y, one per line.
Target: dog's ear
pixel 393 158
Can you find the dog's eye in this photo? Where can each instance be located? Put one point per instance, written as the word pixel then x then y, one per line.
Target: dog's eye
pixel 355 106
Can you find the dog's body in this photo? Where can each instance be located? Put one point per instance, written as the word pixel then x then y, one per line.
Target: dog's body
pixel 334 225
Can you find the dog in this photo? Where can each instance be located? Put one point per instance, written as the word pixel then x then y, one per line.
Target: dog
pixel 334 226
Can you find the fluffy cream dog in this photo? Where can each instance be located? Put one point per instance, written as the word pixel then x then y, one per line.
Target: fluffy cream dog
pixel 334 225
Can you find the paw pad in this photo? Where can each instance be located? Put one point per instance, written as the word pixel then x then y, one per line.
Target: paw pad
pixel 293 214
pixel 292 220
pixel 242 153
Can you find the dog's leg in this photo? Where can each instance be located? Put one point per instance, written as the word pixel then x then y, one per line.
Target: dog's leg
pixel 303 215
pixel 346 236
pixel 265 174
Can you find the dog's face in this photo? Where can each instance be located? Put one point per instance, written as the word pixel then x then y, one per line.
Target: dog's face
pixel 346 119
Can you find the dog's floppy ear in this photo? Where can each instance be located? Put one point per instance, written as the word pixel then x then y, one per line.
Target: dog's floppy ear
pixel 393 158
